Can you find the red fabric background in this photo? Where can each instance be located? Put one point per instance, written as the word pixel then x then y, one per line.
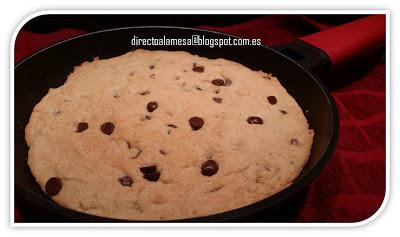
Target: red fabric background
pixel 352 186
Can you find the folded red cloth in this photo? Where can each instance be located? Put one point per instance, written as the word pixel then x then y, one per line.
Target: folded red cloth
pixel 351 188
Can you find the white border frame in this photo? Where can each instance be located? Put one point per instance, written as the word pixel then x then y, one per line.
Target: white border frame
pixel 250 12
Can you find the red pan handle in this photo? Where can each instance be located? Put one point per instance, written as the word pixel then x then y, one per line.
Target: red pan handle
pixel 344 42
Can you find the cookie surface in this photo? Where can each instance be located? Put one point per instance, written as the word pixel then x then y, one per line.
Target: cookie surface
pixel 157 135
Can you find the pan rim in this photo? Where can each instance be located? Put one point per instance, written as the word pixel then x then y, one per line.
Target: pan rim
pixel 300 182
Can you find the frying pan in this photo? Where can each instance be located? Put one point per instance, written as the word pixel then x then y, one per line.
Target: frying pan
pixel 296 65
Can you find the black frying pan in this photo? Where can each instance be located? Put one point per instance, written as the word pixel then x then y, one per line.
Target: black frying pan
pixel 50 67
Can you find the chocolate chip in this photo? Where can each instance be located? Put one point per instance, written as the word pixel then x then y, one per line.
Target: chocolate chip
pixel 198 88
pixel 107 128
pixel 294 142
pixel 217 100
pixel 126 181
pixel 272 100
pixel 197 68
pixel 153 177
pixel 148 169
pixel 172 126
pixel 283 112
pixel 254 120
pixel 151 67
pixel 163 152
pixel 151 106
pixel 82 126
pixel 196 123
pixel 153 75
pixel 218 82
pixel 53 186
pixel 209 168
pixel 150 173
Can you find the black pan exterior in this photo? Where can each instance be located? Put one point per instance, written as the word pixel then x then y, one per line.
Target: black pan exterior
pixel 50 67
